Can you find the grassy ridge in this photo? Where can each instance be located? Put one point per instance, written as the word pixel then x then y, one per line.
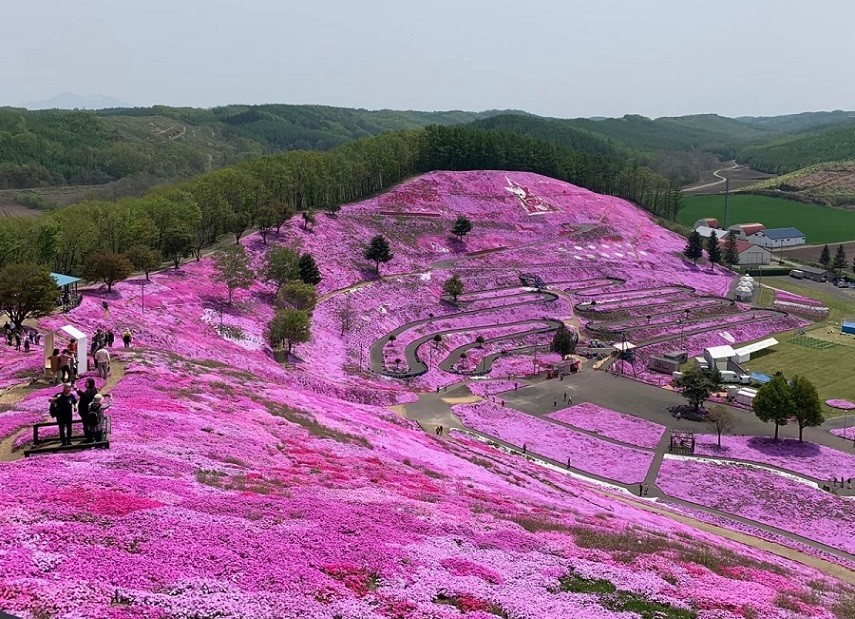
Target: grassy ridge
pixel 829 184
pixel 820 224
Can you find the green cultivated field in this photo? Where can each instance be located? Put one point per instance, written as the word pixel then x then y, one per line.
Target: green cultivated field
pixel 820 224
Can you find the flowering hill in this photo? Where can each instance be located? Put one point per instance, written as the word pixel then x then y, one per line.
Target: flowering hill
pixel 238 488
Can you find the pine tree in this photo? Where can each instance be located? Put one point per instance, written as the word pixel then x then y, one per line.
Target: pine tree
pixel 713 250
pixel 308 269
pixel 731 255
pixel 694 248
pixel 839 259
pixel 825 257
pixel 378 251
pixel 462 227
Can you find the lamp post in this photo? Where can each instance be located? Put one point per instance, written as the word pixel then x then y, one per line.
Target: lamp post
pixel 143 285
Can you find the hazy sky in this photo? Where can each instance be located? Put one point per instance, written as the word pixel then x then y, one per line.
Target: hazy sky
pixel 558 58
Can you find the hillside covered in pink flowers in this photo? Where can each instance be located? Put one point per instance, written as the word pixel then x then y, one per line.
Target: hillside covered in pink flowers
pixel 238 487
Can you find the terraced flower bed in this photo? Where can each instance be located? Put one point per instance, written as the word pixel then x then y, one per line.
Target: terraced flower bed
pixel 619 426
pixel 809 459
pixel 768 498
pixel 586 453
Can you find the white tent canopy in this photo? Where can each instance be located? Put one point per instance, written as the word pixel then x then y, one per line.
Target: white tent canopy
pixel 73 334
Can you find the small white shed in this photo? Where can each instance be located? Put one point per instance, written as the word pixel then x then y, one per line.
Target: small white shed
pixel 72 333
pixel 717 356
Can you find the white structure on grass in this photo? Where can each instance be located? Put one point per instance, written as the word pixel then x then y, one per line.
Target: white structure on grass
pixel 73 334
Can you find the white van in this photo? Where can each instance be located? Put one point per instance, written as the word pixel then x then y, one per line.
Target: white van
pixel 797 274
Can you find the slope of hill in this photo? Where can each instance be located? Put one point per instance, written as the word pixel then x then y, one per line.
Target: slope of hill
pixel 237 488
pixel 829 184
pixel 790 153
pixel 796 123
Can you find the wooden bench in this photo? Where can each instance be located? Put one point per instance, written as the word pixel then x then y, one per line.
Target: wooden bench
pixel 52 444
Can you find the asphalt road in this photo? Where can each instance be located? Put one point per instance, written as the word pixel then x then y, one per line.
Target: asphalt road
pixel 847 294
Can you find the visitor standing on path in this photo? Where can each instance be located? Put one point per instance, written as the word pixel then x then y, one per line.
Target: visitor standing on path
pixel 65 366
pixel 85 398
pixel 126 338
pixel 111 337
pixel 62 405
pixel 102 361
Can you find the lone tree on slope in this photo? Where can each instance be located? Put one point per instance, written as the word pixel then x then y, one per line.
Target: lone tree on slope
pixel 774 402
pixel 825 257
pixel 297 295
pixel 720 420
pixel 281 265
pixel 289 327
pixel 462 227
pixel 839 263
pixel 144 259
pixel 730 254
pixel 453 287
pixel 378 251
pixel 564 341
pixel 232 264
pixel 694 248
pixel 697 385
pixel 713 250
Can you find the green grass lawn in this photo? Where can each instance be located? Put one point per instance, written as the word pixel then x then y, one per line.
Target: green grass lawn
pixel 824 358
pixel 820 224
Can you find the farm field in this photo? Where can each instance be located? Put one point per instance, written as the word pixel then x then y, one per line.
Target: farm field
pixel 820 224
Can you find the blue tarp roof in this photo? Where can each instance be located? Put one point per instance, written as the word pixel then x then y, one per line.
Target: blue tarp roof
pixel 783 233
pixel 760 378
pixel 64 280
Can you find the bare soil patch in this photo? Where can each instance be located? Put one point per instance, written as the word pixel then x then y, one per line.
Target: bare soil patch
pixel 810 253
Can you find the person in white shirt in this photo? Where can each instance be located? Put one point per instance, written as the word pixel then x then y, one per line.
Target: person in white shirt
pixel 102 360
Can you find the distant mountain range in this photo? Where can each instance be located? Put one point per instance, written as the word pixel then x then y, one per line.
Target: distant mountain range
pixel 72 101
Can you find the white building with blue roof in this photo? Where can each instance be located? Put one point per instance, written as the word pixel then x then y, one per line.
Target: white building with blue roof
pixel 773 238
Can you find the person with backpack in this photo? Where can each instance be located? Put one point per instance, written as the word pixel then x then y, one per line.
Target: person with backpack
pixel 93 423
pixel 62 407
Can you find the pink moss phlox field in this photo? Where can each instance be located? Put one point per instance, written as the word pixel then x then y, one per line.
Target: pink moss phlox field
pixel 624 428
pixel 240 489
pixel 763 496
pixel 805 458
pixel 844 405
pixel 846 433
pixel 554 441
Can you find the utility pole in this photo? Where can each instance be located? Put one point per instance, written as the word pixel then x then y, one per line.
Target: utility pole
pixel 143 285
pixel 726 192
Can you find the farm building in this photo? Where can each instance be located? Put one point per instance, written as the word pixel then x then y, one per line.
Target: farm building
pixel 751 254
pixel 706 232
pixel 743 231
pixel 778 237
pixel 817 274
pixel 848 326
pixel 709 222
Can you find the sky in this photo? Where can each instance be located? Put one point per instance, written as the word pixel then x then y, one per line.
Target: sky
pixel 565 59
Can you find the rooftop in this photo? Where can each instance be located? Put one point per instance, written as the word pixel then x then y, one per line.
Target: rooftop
pixel 783 233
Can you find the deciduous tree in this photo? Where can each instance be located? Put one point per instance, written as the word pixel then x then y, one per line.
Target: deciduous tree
pixel 807 408
pixel 297 295
pixel 107 267
pixel 694 248
pixel 281 265
pixel 564 341
pixel 774 402
pixel 289 327
pixel 144 259
pixel 453 287
pixel 719 420
pixel 233 266
pixel 26 290
pixel 378 251
pixel 697 385
pixel 177 243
